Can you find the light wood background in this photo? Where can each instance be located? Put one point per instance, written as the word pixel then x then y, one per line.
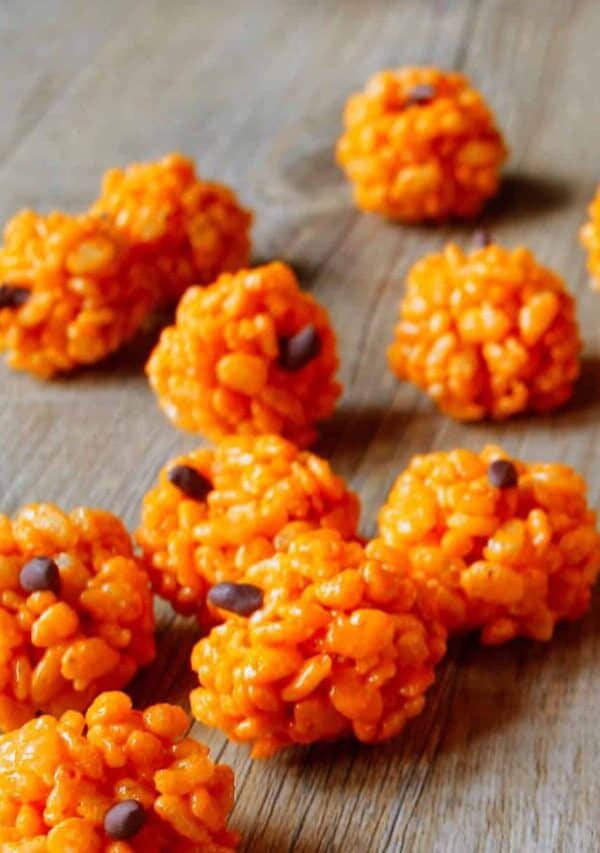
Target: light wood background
pixel 506 756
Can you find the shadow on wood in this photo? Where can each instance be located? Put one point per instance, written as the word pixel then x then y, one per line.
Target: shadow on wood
pixel 169 677
pixel 587 390
pixel 355 427
pixel 526 196
pixel 130 359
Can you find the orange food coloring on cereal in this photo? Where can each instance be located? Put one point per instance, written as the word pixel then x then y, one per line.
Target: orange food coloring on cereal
pixel 338 648
pixel 234 362
pixel 115 780
pixel 488 333
pixel 190 229
pixel 217 511
pixel 420 144
pixel 76 612
pixel 495 544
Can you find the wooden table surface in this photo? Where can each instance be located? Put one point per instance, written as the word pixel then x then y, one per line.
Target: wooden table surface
pixel 506 756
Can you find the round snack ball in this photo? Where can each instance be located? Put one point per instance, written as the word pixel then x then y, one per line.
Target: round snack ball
pixel 487 334
pixel 116 780
pixel 420 144
pixel 192 230
pixel 71 293
pixel 495 544
pixel 215 512
pixel 250 354
pixel 76 611
pixel 590 238
pixel 337 649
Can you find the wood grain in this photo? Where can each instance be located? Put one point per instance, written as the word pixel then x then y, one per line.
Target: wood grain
pixel 506 756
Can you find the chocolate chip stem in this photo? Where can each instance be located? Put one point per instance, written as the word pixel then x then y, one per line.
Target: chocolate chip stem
pixel 295 352
pixel 191 482
pixel 39 574
pixel 502 474
pixel 240 598
pixel 124 820
pixel 13 295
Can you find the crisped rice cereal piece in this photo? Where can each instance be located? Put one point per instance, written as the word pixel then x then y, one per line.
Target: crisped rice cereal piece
pixel 76 612
pixel 72 292
pixel 498 545
pixel 338 648
pixel 191 229
pixel 250 354
pixel 215 512
pixel 114 781
pixel 487 334
pixel 420 144
pixel 590 238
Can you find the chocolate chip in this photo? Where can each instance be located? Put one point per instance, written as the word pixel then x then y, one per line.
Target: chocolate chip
pixel 13 296
pixel 240 598
pixel 502 474
pixel 39 574
pixel 297 351
pixel 481 238
pixel 421 94
pixel 124 819
pixel 192 483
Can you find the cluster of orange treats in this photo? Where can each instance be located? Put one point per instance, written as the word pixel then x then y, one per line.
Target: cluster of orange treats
pixel 420 144
pixel 189 229
pixel 75 288
pixel 487 333
pixel 506 547
pixel 250 354
pixel 215 512
pixel 76 611
pixel 333 645
pixel 115 781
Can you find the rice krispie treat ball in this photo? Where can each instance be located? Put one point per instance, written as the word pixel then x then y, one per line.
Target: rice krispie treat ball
pixel 76 612
pixel 487 333
pixel 191 229
pixel 72 292
pixel 215 512
pixel 590 237
pixel 321 642
pixel 420 144
pixel 250 354
pixel 494 544
pixel 114 781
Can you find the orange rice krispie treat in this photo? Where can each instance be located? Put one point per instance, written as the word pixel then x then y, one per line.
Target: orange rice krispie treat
pixel 320 643
pixel 72 292
pixel 590 237
pixel 487 333
pixel 75 610
pixel 114 781
pixel 500 545
pixel 191 229
pixel 215 512
pixel 250 354
pixel 420 144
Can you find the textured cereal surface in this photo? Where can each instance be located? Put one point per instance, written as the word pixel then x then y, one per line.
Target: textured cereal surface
pixel 338 649
pixel 58 650
pixel 217 370
pixel 590 238
pixel 430 160
pixel 487 333
pixel 190 229
pixel 89 292
pixel 264 490
pixel 59 777
pixel 511 561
